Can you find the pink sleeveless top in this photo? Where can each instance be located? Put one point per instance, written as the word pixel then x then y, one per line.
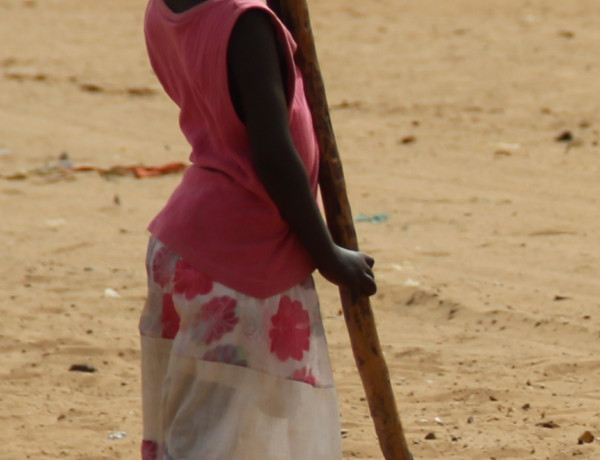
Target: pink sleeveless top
pixel 220 218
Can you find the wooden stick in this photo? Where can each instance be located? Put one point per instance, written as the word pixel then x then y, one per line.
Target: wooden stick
pixel 357 312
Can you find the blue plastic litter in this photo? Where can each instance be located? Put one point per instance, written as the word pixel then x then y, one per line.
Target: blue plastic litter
pixel 374 219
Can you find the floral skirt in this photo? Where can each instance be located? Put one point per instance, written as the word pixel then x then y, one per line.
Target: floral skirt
pixel 226 376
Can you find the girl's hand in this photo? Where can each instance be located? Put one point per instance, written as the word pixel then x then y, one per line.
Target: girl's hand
pixel 350 269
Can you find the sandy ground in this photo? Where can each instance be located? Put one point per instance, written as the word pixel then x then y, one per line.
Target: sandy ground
pixel 447 116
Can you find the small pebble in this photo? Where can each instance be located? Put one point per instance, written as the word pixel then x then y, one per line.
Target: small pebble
pixel 586 438
pixel 408 140
pixel 565 136
pixel 82 368
pixel 111 293
pixel 117 435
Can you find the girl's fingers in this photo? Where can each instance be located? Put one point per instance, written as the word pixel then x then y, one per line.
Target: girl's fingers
pixel 368 286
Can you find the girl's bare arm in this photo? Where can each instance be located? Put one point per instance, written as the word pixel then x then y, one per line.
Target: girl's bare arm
pixel 256 79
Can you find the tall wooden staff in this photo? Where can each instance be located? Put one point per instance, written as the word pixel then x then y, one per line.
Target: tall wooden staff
pixel 357 312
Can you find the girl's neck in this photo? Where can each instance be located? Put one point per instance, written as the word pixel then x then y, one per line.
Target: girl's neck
pixel 180 6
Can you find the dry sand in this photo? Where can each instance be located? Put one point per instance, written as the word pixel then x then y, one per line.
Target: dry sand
pixel 446 114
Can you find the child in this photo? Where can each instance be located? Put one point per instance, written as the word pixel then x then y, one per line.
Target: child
pixel 234 357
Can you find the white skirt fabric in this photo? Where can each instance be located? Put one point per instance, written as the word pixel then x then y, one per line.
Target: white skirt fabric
pixel 226 376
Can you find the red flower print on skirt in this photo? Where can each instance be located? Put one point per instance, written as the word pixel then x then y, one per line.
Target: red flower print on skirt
pixel 189 281
pixel 304 375
pixel 216 318
pixel 290 334
pixel 169 319
pixel 149 450
pixel 161 274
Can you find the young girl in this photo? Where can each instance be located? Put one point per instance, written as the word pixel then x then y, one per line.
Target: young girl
pixel 235 363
